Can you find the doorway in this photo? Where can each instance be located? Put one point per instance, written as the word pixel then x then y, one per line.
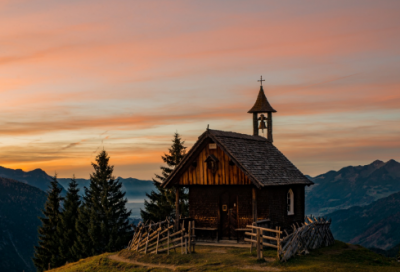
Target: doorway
pixel 228 212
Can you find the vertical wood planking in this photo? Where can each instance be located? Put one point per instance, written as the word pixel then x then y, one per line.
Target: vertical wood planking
pixel 225 175
pixel 230 171
pixel 199 169
pixel 193 175
pixel 213 177
pixel 228 180
pixel 203 158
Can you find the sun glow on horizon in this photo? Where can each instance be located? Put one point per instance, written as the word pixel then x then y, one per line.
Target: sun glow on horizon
pixel 76 77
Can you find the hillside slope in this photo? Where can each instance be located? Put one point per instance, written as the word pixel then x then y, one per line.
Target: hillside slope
pixel 20 206
pixel 375 225
pixel 352 186
pixel 339 257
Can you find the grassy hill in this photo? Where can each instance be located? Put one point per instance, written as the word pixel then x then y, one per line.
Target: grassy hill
pixel 339 257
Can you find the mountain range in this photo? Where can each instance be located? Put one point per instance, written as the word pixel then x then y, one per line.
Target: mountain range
pixel 362 201
pixel 376 225
pixel 135 189
pixel 37 178
pixel 20 207
pixel 352 186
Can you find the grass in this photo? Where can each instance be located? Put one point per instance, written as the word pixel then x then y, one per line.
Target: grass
pixel 339 257
pixel 101 263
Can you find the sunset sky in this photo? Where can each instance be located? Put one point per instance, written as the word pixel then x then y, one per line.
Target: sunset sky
pixel 77 76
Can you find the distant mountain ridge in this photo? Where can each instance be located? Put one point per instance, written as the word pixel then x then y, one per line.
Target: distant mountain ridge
pixel 376 225
pixel 20 206
pixel 37 178
pixel 135 189
pixel 352 186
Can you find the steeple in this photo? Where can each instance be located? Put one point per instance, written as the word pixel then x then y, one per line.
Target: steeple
pixel 262 106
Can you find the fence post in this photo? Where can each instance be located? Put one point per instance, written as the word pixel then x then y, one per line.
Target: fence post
pixel 140 237
pixel 147 241
pixel 158 239
pixel 190 237
pixel 194 235
pixel 278 242
pixel 258 244
pixel 261 245
pixel 183 226
pixel 251 238
pixel 168 241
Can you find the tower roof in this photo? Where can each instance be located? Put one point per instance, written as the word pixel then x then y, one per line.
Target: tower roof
pixel 262 104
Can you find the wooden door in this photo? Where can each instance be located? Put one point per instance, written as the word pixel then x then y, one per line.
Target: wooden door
pixel 232 222
pixel 224 209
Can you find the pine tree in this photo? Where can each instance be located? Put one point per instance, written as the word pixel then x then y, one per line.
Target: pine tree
pixel 47 251
pixel 82 247
pixel 66 228
pixel 103 213
pixel 162 201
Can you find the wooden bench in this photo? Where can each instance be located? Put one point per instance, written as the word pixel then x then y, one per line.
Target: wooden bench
pixel 241 230
pixel 209 229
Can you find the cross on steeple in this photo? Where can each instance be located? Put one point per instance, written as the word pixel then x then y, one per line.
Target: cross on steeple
pixel 261 80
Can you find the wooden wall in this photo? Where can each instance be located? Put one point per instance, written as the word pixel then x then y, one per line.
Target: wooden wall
pixel 226 174
pixel 275 199
pixel 205 205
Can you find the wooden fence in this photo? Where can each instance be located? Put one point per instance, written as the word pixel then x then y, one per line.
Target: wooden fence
pixel 160 237
pixel 312 234
pixel 263 237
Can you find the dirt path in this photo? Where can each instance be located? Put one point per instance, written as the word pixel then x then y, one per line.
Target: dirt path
pixel 166 266
pixel 174 267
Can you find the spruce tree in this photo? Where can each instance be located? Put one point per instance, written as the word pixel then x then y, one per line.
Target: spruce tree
pixel 47 251
pixel 82 247
pixel 66 228
pixel 162 201
pixel 103 213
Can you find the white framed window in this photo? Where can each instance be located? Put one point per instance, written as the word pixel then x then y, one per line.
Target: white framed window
pixel 290 202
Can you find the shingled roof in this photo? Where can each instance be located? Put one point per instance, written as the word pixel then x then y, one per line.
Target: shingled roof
pixel 262 104
pixel 257 157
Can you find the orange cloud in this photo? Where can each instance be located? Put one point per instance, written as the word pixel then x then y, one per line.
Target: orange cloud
pixel 69 70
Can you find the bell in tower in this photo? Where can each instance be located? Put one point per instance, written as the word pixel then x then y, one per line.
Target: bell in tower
pixel 262 106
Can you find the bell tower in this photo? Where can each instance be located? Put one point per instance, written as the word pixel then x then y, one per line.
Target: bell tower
pixel 262 106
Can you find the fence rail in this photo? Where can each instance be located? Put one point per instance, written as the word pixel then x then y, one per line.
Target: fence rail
pixel 312 234
pixel 160 237
pixel 261 236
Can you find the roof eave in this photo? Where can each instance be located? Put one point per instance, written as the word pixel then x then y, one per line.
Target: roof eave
pixel 201 139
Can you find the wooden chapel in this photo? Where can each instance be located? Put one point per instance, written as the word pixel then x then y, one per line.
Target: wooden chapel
pixel 236 179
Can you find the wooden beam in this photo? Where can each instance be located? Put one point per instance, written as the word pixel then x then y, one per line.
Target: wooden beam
pixel 177 214
pixel 270 127
pixel 255 124
pixel 254 200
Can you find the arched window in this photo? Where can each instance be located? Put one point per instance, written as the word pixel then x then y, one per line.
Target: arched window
pixel 290 202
